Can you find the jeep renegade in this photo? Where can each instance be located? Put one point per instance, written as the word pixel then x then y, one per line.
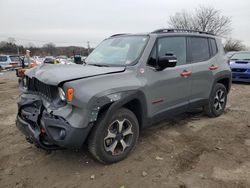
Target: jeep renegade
pixel 129 82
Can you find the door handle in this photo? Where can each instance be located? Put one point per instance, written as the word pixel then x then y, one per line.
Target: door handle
pixel 213 67
pixel 186 73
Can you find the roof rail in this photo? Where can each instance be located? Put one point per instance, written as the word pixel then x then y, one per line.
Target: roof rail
pixel 181 31
pixel 119 34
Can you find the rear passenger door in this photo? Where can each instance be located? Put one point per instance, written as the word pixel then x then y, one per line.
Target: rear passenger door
pixel 203 58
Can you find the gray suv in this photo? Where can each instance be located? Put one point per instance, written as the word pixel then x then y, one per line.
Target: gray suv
pixel 129 82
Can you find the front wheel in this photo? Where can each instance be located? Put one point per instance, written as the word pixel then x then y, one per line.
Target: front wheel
pixel 217 101
pixel 112 142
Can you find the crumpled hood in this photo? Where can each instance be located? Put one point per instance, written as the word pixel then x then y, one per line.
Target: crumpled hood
pixel 55 74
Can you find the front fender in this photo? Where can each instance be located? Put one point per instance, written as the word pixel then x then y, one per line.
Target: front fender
pixel 117 100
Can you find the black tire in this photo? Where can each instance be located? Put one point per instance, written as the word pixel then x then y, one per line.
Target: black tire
pixel 211 109
pixel 100 141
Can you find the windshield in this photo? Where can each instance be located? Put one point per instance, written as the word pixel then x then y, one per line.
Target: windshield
pixel 123 50
pixel 241 56
pixel 3 58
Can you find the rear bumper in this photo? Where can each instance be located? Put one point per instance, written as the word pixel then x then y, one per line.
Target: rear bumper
pixel 48 131
pixel 241 77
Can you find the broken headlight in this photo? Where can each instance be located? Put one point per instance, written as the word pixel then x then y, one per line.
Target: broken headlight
pixel 61 94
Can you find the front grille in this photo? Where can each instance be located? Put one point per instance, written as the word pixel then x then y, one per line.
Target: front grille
pixel 43 89
pixel 239 70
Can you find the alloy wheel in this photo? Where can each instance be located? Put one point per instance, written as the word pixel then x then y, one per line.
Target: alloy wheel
pixel 119 137
pixel 219 100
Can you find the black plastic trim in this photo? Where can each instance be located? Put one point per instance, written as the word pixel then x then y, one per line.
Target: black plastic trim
pixel 132 95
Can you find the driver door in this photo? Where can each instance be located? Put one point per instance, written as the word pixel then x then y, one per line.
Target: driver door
pixel 168 90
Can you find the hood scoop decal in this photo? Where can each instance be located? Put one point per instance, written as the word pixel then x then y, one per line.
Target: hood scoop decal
pixel 242 62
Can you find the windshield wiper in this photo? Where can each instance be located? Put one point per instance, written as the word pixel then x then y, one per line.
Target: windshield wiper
pixel 98 65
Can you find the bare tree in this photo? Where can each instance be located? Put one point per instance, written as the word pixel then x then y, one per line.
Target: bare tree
pixel 234 45
pixel 206 19
pixel 30 45
pixel 182 20
pixel 49 48
pixel 2 44
pixel 11 40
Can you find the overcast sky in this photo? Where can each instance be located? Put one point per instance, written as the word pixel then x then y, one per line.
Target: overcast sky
pixel 73 22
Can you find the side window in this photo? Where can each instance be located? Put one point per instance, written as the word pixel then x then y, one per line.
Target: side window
pixel 199 49
pixel 214 48
pixel 175 46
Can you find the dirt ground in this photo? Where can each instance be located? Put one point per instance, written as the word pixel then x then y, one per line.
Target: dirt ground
pixel 190 150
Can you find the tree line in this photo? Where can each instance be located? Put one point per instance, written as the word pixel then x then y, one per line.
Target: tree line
pixel 49 49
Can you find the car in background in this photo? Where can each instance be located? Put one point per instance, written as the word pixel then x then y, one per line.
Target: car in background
pixel 62 57
pixel 64 60
pixel 240 66
pixel 4 62
pixel 37 60
pixel 15 61
pixel 10 61
pixel 230 54
pixel 50 60
pixel 78 59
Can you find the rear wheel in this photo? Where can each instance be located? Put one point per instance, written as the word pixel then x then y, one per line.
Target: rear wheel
pixel 217 101
pixel 112 142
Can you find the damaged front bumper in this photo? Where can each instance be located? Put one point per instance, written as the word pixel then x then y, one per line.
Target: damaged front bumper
pixel 46 130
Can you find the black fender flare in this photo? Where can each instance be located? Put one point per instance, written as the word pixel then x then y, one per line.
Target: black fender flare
pixel 125 97
pixel 220 76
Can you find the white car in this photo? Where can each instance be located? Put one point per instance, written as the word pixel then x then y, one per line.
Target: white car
pixel 65 61
pixel 9 61
pixel 4 62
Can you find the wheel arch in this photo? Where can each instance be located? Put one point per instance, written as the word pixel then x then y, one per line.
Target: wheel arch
pixel 135 101
pixel 224 78
pixel 226 82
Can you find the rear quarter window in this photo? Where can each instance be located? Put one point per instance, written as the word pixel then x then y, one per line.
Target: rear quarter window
pixel 198 49
pixel 214 48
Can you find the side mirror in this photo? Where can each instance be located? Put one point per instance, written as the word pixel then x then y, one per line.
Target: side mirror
pixel 168 60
